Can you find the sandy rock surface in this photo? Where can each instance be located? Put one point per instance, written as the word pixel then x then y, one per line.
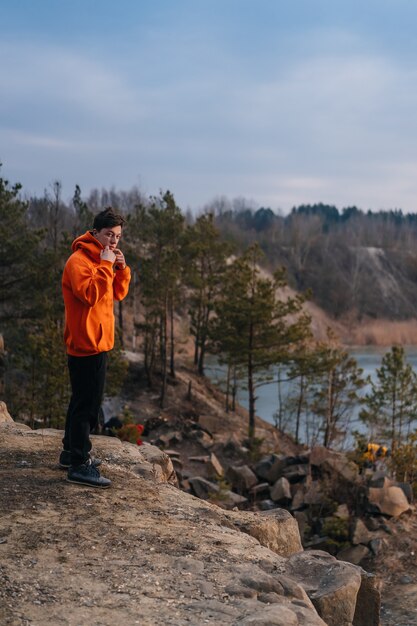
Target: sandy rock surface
pixel 146 553
pixel 142 552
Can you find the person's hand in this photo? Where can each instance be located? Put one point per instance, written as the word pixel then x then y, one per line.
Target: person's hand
pixel 120 259
pixel 108 255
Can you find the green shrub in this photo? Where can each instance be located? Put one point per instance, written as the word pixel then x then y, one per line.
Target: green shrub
pixel 337 530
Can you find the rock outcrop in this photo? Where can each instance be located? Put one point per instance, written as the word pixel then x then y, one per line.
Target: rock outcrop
pixel 336 588
pixel 145 552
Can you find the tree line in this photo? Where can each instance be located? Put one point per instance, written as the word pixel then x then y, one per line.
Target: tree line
pixel 182 268
pixel 358 264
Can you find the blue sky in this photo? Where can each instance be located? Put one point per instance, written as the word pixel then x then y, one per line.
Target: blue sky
pixel 277 101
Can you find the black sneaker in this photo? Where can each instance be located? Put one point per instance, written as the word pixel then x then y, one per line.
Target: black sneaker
pixel 65 460
pixel 87 474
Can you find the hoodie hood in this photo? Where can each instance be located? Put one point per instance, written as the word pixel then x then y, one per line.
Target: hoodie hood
pixel 89 244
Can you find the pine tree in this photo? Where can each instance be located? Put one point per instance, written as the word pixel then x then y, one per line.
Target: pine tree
pixel 84 217
pixel 254 328
pixel 20 273
pixel 31 312
pixel 204 265
pixel 160 227
pixel 296 404
pixel 47 390
pixel 391 406
pixel 18 255
pixel 336 383
pixel 323 392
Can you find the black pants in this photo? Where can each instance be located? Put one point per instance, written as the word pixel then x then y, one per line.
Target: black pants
pixel 87 375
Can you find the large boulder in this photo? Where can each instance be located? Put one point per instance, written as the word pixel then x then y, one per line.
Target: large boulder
pixel 260 489
pixel 214 467
pixel 331 585
pixel 297 472
pixel 318 455
pixel 282 601
pixel 334 464
pixel 169 438
pixel 241 477
pixel 161 463
pixel 389 500
pixel 275 529
pixel 4 413
pixel 368 602
pixel 281 491
pixel 353 554
pixel 270 467
pixel 273 466
pixel 360 533
pixel 207 490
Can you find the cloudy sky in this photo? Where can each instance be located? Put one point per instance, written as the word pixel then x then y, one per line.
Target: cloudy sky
pixel 278 101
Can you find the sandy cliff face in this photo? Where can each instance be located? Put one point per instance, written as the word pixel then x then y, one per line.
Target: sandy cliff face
pixel 366 332
pixel 146 553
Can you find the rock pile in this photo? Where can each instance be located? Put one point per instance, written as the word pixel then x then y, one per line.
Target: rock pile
pixel 337 509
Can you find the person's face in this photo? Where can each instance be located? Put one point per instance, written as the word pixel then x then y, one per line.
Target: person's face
pixel 109 236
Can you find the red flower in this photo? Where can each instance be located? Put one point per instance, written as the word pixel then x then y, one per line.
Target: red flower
pixel 131 432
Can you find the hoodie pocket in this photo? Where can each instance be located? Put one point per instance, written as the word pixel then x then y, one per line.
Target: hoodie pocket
pixel 100 335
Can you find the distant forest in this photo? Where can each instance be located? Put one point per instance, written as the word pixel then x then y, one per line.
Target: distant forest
pixel 357 264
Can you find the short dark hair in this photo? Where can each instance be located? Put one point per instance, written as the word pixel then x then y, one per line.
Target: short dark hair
pixel 107 219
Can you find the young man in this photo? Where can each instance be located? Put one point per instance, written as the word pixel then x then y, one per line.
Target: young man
pixel 94 276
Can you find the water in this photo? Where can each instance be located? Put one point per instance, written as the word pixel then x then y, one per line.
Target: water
pixel 367 358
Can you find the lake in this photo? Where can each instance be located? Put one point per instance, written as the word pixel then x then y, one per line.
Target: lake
pixel 368 358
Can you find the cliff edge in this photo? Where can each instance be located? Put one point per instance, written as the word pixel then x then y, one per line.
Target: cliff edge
pixel 144 552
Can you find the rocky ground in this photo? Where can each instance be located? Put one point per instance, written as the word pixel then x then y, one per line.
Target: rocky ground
pixel 146 553
pixel 396 566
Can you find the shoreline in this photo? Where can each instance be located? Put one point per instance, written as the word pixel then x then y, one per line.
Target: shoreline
pixel 369 333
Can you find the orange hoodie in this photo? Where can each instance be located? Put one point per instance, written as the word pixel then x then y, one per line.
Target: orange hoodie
pixel 90 286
